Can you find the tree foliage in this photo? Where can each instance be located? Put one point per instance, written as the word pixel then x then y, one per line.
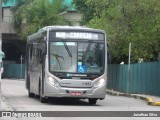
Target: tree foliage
pixel 31 15
pixel 87 10
pixel 4 1
pixel 127 21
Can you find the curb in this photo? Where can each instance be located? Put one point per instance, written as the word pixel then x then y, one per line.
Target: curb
pixel 149 100
pixel 6 105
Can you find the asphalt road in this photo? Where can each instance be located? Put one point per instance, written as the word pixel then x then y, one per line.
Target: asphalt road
pixel 16 95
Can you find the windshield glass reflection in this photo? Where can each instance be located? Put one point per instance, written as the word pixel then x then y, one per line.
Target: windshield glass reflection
pixel 76 57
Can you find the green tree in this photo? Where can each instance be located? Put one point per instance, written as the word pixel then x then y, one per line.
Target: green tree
pixel 5 1
pixel 125 21
pixel 85 9
pixel 31 15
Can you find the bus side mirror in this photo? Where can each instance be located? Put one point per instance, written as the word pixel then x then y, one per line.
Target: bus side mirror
pixel 109 57
pixel 43 52
pixel 44 49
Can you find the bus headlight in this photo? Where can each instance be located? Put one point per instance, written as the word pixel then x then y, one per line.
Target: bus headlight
pixel 52 81
pixel 99 82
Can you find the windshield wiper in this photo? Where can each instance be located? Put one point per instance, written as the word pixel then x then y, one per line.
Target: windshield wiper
pixel 87 49
pixel 69 52
pixel 58 56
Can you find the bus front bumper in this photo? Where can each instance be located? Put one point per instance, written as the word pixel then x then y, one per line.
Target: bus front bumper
pixel 94 92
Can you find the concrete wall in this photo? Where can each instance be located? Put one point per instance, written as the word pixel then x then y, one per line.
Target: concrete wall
pixel 7 28
pixel 7 15
pixel 7 23
pixel 73 17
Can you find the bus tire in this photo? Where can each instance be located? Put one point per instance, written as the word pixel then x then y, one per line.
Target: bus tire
pixel 31 95
pixel 92 101
pixel 42 99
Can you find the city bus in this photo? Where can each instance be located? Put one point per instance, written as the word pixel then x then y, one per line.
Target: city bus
pixel 67 62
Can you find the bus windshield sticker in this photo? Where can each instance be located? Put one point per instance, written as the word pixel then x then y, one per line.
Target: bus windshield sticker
pixel 71 43
pixel 59 43
pixel 79 63
pixel 67 43
pixel 81 68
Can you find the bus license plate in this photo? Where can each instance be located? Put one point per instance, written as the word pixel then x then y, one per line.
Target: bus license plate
pixel 75 93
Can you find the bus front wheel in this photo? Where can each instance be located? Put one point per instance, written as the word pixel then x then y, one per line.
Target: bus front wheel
pixel 92 101
pixel 42 99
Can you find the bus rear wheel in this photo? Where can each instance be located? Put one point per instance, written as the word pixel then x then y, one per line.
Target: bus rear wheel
pixel 92 101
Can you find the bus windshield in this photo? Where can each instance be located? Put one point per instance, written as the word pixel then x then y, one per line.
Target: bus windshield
pixel 76 57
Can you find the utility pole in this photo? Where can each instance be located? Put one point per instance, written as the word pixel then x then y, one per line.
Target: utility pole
pixel 21 58
pixel 129 62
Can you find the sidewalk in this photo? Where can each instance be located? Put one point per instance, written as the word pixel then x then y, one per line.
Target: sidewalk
pixel 151 100
pixel 4 106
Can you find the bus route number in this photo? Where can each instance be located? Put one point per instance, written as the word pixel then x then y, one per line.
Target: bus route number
pixel 86 83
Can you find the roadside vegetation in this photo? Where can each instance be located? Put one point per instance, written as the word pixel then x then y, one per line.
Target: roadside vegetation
pixel 125 21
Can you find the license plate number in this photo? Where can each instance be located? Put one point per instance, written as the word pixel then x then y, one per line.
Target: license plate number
pixel 75 93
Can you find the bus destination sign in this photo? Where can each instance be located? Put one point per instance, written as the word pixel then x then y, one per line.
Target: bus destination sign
pixel 77 35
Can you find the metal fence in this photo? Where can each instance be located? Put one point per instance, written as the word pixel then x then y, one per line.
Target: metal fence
pixel 14 71
pixel 144 78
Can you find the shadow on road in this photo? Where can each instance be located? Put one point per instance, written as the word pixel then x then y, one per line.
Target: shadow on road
pixel 67 101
